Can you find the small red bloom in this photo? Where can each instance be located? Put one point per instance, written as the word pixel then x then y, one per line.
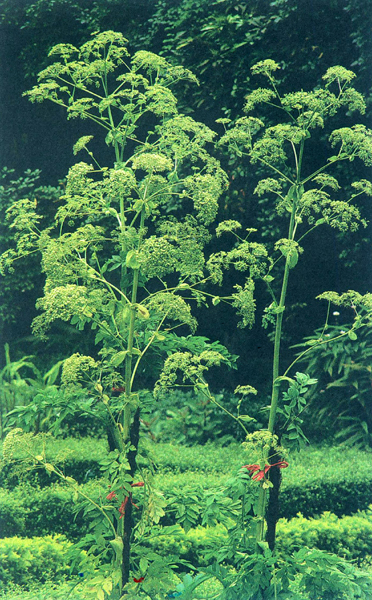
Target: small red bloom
pixel 111 496
pixel 139 484
pixel 138 580
pixel 260 473
pixel 118 390
pixel 122 507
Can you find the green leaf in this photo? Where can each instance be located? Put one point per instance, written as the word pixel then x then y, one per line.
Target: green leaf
pixel 131 260
pixel 292 258
pixel 352 335
pixel 142 311
pixel 144 563
pixel 118 358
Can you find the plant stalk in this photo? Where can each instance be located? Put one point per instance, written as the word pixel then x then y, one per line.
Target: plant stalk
pixel 261 508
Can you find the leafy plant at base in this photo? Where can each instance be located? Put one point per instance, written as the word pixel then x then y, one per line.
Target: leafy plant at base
pixel 342 398
pixel 117 261
pixel 20 383
pixel 305 202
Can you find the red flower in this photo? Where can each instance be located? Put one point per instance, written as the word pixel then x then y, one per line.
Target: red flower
pixel 118 390
pixel 111 496
pixel 138 580
pixel 122 507
pixel 260 473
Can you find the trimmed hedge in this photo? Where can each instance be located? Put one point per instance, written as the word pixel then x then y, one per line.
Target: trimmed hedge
pixel 28 512
pixel 26 561
pixel 335 479
pixel 77 458
pixel 37 560
pixel 46 591
pixel 338 480
pixel 349 537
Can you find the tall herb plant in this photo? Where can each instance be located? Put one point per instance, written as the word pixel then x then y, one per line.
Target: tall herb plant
pixel 119 261
pixel 304 201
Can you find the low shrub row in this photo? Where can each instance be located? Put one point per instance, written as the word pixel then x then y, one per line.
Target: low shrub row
pixel 80 459
pixel 348 537
pixel 39 559
pixel 332 479
pixel 36 560
pixel 48 591
pixel 29 512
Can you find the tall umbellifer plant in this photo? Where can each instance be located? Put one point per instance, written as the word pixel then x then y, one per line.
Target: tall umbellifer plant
pixel 304 202
pixel 118 260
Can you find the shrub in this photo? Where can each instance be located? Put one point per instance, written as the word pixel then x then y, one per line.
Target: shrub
pixel 349 537
pixel 190 418
pixel 26 561
pixel 31 512
pixel 77 458
pixel 195 546
pixel 342 398
pixel 343 487
pixel 333 479
pixel 38 591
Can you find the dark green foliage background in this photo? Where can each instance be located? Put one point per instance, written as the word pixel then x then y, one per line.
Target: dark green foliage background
pixel 219 41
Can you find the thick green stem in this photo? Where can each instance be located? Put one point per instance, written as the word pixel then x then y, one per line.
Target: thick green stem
pixel 261 508
pixel 128 359
pixel 130 431
pixel 128 515
pixel 124 269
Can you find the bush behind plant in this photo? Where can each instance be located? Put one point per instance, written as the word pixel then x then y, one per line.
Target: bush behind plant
pixel 344 488
pixel 27 561
pixel 23 560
